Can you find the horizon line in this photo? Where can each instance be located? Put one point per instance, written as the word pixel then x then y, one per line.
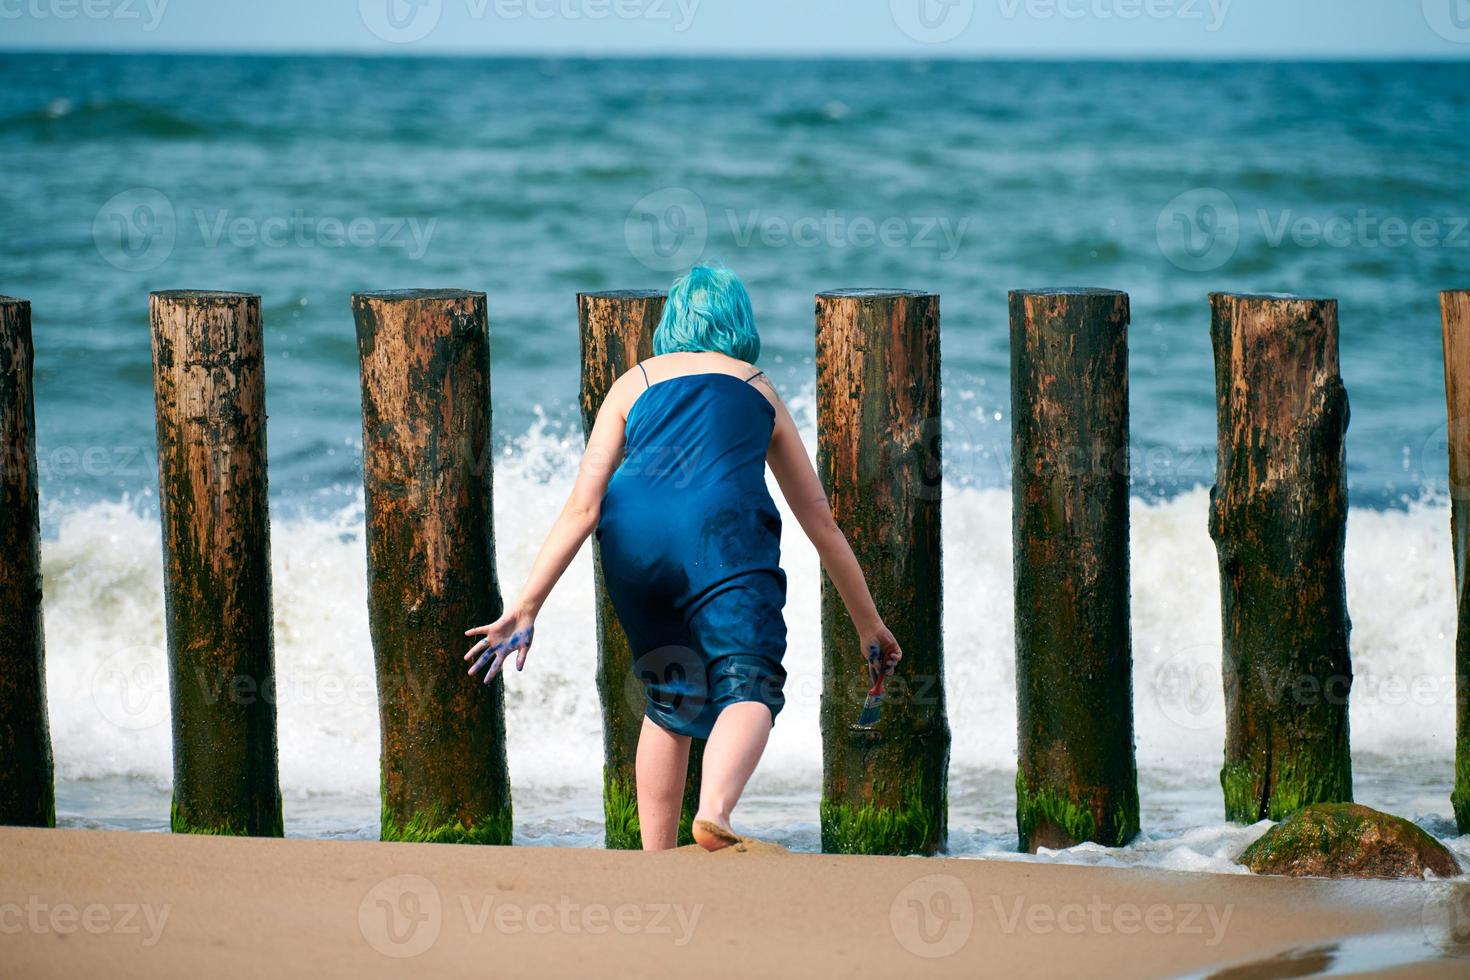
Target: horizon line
pixel 1350 57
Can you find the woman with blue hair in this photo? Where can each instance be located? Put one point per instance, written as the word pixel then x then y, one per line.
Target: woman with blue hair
pixel 673 484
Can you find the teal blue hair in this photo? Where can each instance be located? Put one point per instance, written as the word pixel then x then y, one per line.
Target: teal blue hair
pixel 708 310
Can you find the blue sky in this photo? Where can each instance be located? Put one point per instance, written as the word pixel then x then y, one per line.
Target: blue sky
pixel 932 28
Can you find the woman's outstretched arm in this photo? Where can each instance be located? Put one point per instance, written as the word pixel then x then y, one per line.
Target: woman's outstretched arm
pixel 803 491
pixel 514 630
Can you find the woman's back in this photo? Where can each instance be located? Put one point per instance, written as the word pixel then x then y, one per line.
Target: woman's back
pixel 688 508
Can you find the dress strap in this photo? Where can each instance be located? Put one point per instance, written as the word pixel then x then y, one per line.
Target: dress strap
pixel 754 376
pixel 645 375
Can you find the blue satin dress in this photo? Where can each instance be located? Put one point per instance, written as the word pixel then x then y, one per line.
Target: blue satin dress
pixel 691 545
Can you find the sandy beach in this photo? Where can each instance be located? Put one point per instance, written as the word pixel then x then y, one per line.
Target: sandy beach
pixel 100 903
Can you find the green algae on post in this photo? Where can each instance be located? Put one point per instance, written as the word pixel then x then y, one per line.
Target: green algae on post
pixel 428 489
pixel 1278 516
pixel 1077 779
pixel 910 827
pixel 209 394
pixel 878 454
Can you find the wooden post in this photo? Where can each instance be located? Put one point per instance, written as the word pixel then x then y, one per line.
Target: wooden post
pixel 884 788
pixel 427 475
pixel 209 395
pixel 1076 776
pixel 617 332
pixel 1278 514
pixel 1455 307
pixel 27 792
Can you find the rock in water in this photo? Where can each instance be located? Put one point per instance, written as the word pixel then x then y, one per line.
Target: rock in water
pixel 1348 840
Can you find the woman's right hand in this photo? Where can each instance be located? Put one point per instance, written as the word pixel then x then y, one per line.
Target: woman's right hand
pixel 880 649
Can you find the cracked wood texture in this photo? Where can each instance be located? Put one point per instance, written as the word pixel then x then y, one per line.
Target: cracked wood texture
pixel 209 397
pixel 884 788
pixel 616 331
pixel 1455 306
pixel 427 476
pixel 1077 779
pixel 1278 515
pixel 27 790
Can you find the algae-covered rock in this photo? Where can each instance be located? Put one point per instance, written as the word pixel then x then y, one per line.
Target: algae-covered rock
pixel 1348 840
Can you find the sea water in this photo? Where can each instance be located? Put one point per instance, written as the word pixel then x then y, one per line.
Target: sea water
pixel 304 179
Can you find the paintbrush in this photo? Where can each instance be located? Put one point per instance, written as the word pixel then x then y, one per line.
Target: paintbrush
pixel 873 706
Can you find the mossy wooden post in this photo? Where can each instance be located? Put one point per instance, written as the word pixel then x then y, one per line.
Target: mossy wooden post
pixel 1076 776
pixel 617 332
pixel 1278 515
pixel 424 356
pixel 209 399
pixel 1455 306
pixel 27 790
pixel 884 789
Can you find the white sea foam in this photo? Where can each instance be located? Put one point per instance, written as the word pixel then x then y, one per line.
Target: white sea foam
pixel 108 690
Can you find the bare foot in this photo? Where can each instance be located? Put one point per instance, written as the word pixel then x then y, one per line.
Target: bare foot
pixel 714 836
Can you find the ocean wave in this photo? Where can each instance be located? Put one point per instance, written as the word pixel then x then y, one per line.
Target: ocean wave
pixel 108 119
pixel 107 672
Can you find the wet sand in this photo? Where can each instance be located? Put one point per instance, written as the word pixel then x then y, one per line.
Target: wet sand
pixel 112 904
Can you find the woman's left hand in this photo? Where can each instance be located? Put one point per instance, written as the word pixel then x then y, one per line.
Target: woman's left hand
pixel 511 633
